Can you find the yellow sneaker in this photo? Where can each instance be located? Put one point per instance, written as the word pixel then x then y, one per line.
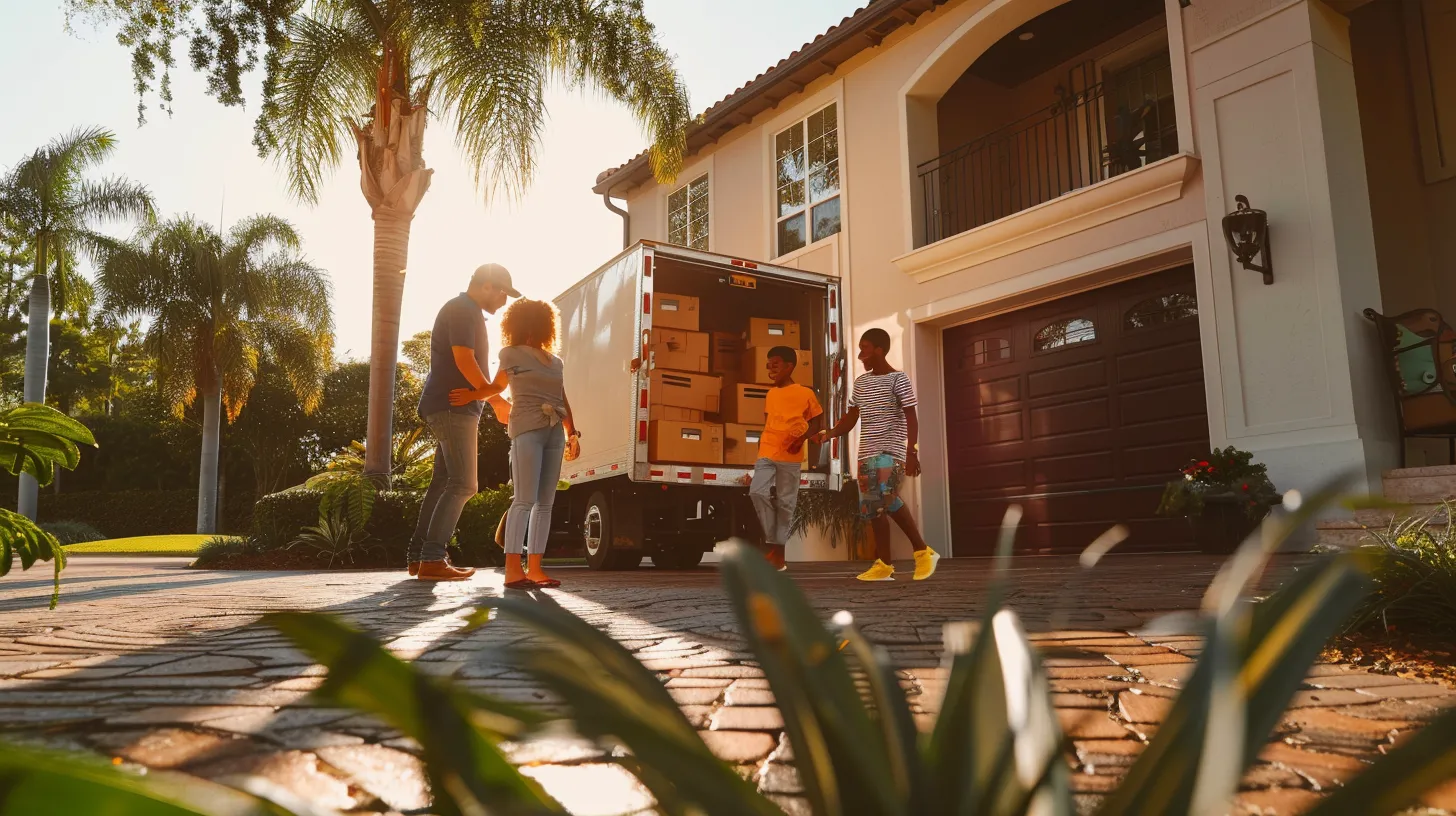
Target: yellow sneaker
pixel 925 561
pixel 879 571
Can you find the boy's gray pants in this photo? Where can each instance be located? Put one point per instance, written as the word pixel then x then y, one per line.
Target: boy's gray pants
pixel 775 512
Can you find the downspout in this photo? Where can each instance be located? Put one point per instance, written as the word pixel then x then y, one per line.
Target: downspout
pixel 626 219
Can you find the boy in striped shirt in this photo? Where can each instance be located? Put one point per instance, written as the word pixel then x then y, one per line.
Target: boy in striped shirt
pixel 884 398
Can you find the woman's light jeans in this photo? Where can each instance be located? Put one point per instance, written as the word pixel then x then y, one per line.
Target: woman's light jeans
pixel 535 470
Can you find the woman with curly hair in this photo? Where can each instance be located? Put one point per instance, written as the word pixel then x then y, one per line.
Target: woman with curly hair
pixel 538 414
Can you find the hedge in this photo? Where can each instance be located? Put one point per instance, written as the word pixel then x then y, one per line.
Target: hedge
pixel 127 513
pixel 278 518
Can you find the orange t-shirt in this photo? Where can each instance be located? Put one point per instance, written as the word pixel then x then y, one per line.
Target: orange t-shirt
pixel 788 411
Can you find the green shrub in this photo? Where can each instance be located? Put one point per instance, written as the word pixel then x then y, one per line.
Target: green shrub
pixel 72 532
pixel 128 513
pixel 280 518
pixel 218 550
pixel 1413 564
pixel 835 514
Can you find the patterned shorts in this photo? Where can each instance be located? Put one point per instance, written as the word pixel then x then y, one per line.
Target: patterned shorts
pixel 879 485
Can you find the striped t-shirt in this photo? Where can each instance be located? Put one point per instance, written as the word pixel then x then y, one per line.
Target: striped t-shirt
pixel 882 400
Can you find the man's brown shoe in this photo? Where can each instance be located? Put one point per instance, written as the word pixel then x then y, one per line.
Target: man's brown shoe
pixel 414 568
pixel 442 571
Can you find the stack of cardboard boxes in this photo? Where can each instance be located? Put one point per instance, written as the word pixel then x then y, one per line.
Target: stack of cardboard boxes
pixel 699 378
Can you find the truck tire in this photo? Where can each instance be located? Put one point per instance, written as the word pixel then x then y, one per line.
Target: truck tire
pixel 597 536
pixel 677 558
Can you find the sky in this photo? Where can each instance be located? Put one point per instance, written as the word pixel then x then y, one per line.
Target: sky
pixel 201 159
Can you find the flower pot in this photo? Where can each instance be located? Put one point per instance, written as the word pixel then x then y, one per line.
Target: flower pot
pixel 1224 524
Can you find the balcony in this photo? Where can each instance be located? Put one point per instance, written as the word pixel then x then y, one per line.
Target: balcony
pixel 1081 139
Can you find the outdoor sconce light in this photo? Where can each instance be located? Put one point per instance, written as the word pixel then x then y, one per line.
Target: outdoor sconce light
pixel 1247 232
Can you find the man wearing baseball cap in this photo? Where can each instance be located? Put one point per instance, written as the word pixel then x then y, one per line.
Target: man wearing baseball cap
pixel 453 400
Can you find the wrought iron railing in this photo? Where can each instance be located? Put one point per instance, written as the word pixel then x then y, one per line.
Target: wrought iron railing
pixel 1066 146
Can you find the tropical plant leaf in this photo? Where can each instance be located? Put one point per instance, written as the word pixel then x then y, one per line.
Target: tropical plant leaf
pixel 612 695
pixel 37 780
pixel 19 536
pixel 838 750
pixel 468 774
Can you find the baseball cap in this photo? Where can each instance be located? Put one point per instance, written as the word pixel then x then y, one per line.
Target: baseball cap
pixel 496 275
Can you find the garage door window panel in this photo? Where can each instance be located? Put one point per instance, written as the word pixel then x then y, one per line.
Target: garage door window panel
pixel 1160 310
pixel 1060 334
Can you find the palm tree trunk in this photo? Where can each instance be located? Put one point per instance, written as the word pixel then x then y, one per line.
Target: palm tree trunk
pixel 391 252
pixel 207 471
pixel 37 353
pixel 393 178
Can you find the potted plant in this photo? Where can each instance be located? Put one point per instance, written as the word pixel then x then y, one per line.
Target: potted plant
pixel 1224 497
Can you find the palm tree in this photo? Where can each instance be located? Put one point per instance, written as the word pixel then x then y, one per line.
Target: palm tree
pixel 361 78
pixel 216 306
pixel 48 199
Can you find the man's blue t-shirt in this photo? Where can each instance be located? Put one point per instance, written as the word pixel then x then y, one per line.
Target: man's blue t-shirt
pixel 459 323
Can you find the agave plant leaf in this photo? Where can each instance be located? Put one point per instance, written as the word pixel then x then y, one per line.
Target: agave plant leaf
pixel 1397 780
pixel 838 750
pixel 902 740
pixel 36 780
pixel 19 536
pixel 468 774
pixel 1254 660
pixel 611 694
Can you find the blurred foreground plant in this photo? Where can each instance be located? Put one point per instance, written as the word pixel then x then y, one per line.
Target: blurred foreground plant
pixel 994 749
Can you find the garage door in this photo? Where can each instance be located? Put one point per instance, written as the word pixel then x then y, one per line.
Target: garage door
pixel 1079 410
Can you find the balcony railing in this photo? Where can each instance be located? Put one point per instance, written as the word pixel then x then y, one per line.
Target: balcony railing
pixel 1066 146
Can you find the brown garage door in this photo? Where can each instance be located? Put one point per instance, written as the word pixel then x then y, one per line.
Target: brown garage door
pixel 1079 410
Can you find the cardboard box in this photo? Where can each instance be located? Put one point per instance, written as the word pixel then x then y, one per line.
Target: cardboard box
pixel 769 332
pixel 699 443
pixel 725 353
pixel 680 350
pixel 744 404
pixel 671 311
pixel 755 366
pixel 674 413
pixel 682 389
pixel 740 443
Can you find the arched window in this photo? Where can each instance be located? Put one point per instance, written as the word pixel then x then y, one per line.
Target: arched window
pixel 1160 310
pixel 1068 332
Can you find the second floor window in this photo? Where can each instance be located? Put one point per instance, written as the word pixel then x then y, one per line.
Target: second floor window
pixel 806 169
pixel 687 214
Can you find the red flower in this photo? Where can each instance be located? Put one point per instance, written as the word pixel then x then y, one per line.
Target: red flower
pixel 1204 464
pixel 1246 487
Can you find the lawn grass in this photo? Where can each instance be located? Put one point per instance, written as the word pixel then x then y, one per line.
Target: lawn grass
pixel 143 545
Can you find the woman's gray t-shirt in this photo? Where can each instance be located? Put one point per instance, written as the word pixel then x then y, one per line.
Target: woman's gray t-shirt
pixel 533 384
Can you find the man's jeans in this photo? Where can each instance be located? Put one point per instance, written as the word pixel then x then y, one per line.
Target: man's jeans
pixel 776 512
pixel 457 438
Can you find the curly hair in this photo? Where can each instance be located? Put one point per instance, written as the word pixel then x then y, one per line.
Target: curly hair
pixel 530 323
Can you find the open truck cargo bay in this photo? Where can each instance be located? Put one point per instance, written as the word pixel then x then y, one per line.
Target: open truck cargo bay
pixel 621 499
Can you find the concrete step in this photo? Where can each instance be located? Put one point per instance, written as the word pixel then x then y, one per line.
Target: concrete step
pixel 1342 535
pixel 1382 517
pixel 1423 485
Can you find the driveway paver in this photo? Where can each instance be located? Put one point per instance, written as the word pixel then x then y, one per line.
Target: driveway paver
pixel 162 666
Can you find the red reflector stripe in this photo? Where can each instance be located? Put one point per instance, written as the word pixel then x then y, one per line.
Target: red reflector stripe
pixel 834 332
pixel 591 473
pixel 736 262
pixel 614 467
pixel 642 431
pixel 710 477
pixel 647 266
pixel 647 303
pixel 642 401
pixel 684 474
pixel 656 472
pixel 833 294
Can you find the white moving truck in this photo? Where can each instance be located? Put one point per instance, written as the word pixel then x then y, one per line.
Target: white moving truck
pixel 622 505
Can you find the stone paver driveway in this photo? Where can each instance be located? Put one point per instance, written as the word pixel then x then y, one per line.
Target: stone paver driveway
pixel 163 666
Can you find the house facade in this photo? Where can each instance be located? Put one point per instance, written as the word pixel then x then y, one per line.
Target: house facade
pixel 1029 195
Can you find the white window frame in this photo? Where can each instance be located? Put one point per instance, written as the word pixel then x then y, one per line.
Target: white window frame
pixel 807 208
pixel 707 215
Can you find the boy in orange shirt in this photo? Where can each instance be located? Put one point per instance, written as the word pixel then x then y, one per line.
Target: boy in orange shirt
pixel 793 415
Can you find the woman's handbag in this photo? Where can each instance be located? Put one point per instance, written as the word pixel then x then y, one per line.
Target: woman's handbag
pixel 573 447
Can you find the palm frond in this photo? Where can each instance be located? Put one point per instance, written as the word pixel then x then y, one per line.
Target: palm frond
pixel 113 199
pixel 324 83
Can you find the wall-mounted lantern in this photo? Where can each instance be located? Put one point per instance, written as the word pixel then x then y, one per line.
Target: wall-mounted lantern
pixel 1247 232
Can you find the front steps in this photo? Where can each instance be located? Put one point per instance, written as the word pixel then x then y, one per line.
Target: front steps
pixel 1421 491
